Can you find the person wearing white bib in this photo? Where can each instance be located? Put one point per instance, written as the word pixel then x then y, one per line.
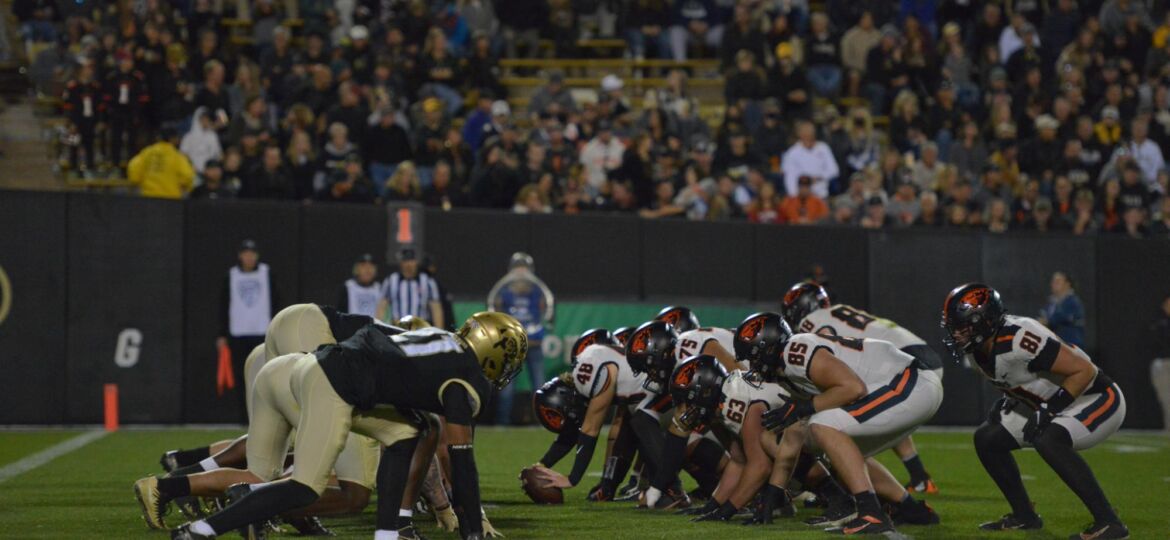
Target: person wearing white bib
pixel 361 293
pixel 248 303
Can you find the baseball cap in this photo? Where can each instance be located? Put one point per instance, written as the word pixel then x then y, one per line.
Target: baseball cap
pixel 407 253
pixel 213 164
pixel 365 258
pixel 359 32
pixel 1110 112
pixel 1047 121
pixel 501 108
pixel 248 245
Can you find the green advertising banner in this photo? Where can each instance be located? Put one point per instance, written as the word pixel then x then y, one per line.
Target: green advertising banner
pixel 573 318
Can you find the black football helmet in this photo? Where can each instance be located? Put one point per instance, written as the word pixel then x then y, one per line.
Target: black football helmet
pixel 557 404
pixel 803 298
pixel 759 339
pixel 697 384
pixel 596 336
pixel 650 350
pixel 622 334
pixel 972 313
pixel 680 317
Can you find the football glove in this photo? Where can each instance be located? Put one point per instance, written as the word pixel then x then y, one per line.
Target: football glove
pixel 446 519
pixel 1001 407
pixel 787 414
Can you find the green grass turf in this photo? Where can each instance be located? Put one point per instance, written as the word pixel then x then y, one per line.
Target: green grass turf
pixel 87 494
pixel 16 445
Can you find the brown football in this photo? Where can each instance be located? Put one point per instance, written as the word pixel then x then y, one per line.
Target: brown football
pixel 530 483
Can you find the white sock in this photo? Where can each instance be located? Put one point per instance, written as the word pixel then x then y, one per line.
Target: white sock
pixel 405 512
pixel 209 464
pixel 382 534
pixel 201 527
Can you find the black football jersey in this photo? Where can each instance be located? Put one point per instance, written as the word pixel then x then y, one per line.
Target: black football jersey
pixel 344 325
pixel 409 370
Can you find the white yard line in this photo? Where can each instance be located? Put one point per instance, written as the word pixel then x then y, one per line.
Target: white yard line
pixel 28 463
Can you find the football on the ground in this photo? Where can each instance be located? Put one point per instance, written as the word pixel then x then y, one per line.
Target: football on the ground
pixel 530 483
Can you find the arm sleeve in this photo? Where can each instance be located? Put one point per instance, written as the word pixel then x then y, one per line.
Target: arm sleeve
pixel 465 485
pixel 561 445
pixel 585 446
pixel 458 405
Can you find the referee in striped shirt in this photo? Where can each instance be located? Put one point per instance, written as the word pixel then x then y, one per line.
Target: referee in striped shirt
pixel 411 292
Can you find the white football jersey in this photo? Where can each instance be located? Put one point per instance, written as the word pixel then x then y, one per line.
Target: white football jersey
pixel 590 376
pixel 876 362
pixel 1021 360
pixel 846 321
pixel 691 343
pixel 739 394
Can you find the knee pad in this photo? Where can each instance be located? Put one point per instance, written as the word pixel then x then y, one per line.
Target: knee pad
pixel 1054 437
pixel 297 494
pixel 993 437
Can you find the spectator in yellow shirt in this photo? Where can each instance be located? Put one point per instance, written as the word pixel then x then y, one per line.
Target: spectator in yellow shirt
pixel 160 170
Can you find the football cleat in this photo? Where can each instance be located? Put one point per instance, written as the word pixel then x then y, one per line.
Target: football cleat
pixel 1009 522
pixel 629 492
pixel 928 487
pixel 184 533
pixel 191 507
pixel 310 526
pixel 153 507
pixel 671 499
pixel 169 460
pixel 866 524
pixel 251 531
pixel 410 533
pixel 834 515
pixel 913 512
pixel 1103 531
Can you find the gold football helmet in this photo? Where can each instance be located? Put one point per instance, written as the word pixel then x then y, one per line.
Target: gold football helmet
pixel 410 322
pixel 499 343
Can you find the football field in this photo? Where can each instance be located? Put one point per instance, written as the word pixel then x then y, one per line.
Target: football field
pixel 85 492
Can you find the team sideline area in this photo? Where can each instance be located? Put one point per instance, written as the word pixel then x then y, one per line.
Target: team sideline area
pixel 84 493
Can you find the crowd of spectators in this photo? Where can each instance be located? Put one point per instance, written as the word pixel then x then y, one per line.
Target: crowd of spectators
pixel 972 114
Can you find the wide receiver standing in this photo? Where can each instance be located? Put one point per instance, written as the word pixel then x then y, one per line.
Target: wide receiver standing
pixel 1055 400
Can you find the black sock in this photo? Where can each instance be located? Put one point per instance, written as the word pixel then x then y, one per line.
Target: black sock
pixel 192 456
pixel 174 487
pixel 833 493
pixel 867 505
pixel 263 503
pixel 187 470
pixel 917 471
pixel 804 464
pixel 1055 446
pixel 994 446
pixel 393 469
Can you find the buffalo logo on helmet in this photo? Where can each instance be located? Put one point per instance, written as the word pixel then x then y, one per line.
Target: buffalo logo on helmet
pixel 510 346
